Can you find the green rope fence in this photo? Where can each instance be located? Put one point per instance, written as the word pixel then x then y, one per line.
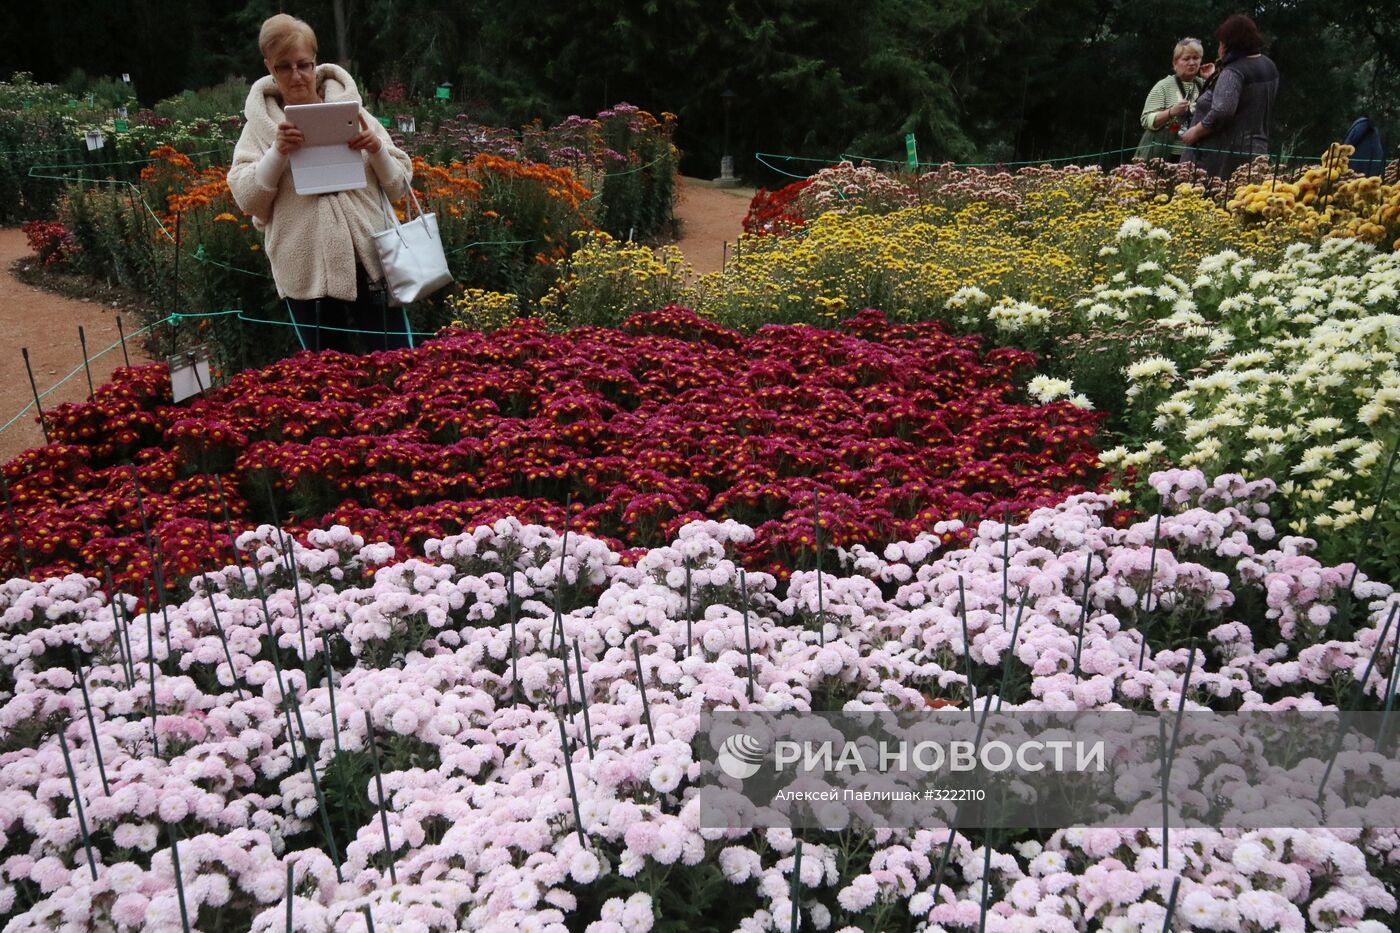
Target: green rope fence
pixel 174 320
pixel 58 385
pixel 197 255
pixel 766 159
pixel 1082 158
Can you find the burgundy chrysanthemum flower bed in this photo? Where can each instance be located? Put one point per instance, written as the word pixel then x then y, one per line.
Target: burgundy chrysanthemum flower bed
pixel 663 421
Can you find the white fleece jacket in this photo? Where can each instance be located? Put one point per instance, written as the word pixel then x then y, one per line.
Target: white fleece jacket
pixel 313 241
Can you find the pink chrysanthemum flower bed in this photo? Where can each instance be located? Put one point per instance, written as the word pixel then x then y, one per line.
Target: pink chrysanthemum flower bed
pixel 480 816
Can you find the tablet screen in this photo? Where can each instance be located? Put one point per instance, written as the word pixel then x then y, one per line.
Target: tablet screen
pixel 325 124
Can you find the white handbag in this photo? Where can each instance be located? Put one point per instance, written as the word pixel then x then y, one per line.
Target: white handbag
pixel 411 253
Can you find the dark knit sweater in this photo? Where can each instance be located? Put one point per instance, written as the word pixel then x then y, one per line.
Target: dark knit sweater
pixel 1237 109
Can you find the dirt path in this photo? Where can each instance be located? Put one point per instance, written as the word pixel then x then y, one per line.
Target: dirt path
pixel 48 325
pixel 709 217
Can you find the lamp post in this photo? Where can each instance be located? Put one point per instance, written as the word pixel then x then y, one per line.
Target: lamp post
pixel 726 177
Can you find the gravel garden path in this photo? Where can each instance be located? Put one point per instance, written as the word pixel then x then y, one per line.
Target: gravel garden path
pixel 709 217
pixel 47 324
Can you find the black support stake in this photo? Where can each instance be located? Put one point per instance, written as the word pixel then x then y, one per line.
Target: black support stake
pixel 179 881
pixel 642 686
pixel 121 332
pixel 92 723
pixel 573 791
pixel 43 423
pixel 379 789
pixel 748 644
pixel 583 699
pixel 82 340
pixel 77 802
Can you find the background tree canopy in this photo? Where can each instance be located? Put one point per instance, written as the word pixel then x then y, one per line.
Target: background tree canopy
pixel 975 80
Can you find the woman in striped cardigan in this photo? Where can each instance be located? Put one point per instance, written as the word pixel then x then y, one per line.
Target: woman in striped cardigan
pixel 1167 109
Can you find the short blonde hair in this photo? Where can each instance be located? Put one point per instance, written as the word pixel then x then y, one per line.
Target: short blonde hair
pixel 281 32
pixel 1182 47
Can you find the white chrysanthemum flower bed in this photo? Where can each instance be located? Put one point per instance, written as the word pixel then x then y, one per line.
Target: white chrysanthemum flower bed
pixel 1297 376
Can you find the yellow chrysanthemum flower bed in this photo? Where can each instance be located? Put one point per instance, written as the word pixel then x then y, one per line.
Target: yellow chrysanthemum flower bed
pixel 479 309
pixel 919 263
pixel 606 280
pixel 1326 200
pixel 912 262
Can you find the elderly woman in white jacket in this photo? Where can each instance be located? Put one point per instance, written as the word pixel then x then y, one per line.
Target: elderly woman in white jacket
pixel 323 259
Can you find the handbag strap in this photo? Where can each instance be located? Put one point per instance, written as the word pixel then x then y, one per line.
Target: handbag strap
pixel 390 215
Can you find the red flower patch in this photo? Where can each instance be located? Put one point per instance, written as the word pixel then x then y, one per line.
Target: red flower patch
pixel 776 212
pixel 663 421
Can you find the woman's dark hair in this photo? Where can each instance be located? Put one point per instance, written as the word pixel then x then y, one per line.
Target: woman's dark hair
pixel 1241 35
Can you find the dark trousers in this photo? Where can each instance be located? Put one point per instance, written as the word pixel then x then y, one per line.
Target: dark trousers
pixel 360 326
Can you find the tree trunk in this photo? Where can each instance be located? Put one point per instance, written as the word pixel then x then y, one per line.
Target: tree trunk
pixel 342 44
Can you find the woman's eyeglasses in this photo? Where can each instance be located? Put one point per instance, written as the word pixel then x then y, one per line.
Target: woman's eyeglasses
pixel 285 69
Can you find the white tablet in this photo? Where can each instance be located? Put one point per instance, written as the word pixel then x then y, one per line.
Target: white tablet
pixel 325 163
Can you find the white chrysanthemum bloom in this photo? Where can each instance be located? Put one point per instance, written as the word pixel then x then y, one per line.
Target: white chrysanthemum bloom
pixel 665 777
pixel 1325 425
pixel 1314 459
pixel 1029 849
pixel 1202 910
pixel 1046 389
pixel 584 867
pixel 1101 310
pixel 1178 406
pixel 969 296
pixel 1260 433
pixel 1250 857
pixel 1368 455
pixel 1047 863
pixel 1234 304
pixel 1382 406
pixel 524 895
pixel 1010 316
pixel 1383 293
pixel 1134 227
pixel 1349 361
pixel 1151 368
pixel 1250 360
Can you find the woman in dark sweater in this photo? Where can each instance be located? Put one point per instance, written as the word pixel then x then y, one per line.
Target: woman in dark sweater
pixel 1231 122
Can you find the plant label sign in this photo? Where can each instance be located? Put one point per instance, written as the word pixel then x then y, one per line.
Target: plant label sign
pixel 95 140
pixel 384 122
pixel 126 77
pixel 912 150
pixel 444 91
pixel 189 374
